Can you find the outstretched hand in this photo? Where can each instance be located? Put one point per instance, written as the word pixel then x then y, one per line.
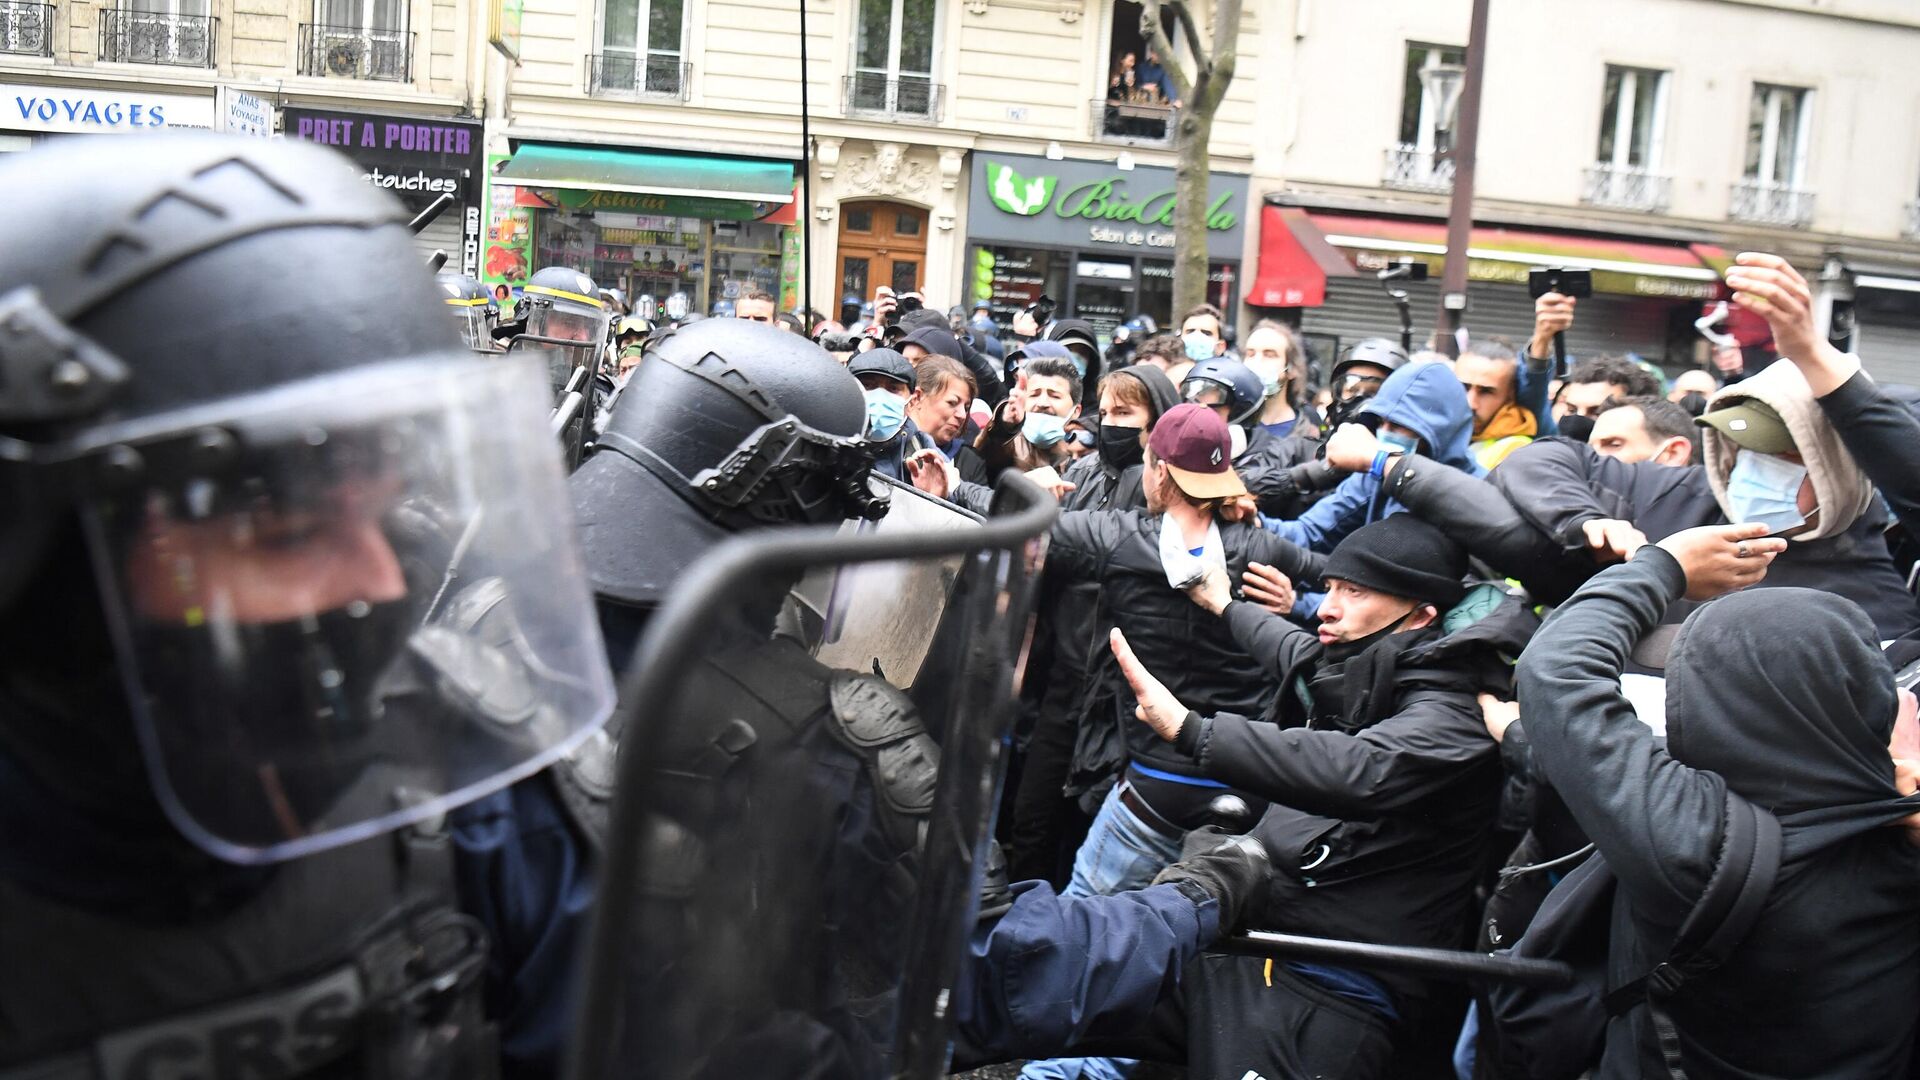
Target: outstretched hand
pixel 1157 707
pixel 1771 288
pixel 1610 540
pixel 1720 559
pixel 1268 587
pixel 932 473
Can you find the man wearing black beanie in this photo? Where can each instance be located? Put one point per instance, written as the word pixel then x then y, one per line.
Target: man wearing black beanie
pixel 1384 786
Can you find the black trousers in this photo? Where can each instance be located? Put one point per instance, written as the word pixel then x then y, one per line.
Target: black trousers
pixel 1234 1018
pixel 1048 826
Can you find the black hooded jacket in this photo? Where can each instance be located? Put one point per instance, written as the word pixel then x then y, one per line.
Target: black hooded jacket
pixel 1190 650
pixel 1382 812
pixel 1266 467
pixel 1784 697
pixel 1527 520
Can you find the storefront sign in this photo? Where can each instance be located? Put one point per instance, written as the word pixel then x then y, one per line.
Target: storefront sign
pixel 1032 200
pixel 503 26
pixel 628 202
pixel 247 114
pixel 417 158
pixel 51 108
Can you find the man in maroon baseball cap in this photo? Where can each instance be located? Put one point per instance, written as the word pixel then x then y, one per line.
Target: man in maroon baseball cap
pixel 1193 443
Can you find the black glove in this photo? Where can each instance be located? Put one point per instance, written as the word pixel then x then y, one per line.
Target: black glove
pixel 1315 475
pixel 1231 869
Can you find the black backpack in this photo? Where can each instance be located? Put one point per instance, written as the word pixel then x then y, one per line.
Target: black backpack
pixel 1558 1033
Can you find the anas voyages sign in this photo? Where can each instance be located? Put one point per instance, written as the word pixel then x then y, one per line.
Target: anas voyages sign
pixel 1093 204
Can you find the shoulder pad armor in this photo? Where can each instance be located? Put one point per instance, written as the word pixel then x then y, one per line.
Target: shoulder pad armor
pixel 871 711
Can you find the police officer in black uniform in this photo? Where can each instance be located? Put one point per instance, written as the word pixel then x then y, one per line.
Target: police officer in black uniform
pixel 280 586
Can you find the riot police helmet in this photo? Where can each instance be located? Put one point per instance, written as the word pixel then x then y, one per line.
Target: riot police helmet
pixel 564 305
pixel 263 521
pixel 1227 386
pixel 472 308
pixel 728 425
pixel 1358 375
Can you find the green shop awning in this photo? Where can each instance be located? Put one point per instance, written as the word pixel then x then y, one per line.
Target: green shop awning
pixel 636 172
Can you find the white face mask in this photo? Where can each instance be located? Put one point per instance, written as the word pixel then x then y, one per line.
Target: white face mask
pixel 1765 490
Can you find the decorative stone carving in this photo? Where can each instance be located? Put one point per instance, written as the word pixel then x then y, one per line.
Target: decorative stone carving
pixel 977 7
pixel 888 171
pixel 826 151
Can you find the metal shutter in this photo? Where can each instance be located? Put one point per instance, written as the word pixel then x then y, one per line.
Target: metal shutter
pixel 443 235
pixel 1889 346
pixel 1605 324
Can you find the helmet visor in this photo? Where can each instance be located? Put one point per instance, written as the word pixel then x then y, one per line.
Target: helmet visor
pixel 1206 393
pixel 566 325
pixel 349 604
pixel 1353 385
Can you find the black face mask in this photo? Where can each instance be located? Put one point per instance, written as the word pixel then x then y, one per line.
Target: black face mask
pixel 1345 412
pixel 1342 651
pixel 1694 402
pixel 1576 427
pixel 1120 446
pixel 302 676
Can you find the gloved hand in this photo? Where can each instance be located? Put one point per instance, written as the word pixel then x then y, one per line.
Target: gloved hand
pixel 1315 475
pixel 1230 868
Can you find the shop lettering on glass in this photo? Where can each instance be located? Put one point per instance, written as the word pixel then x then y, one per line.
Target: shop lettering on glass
pixel 111 114
pixel 470 243
pixel 418 160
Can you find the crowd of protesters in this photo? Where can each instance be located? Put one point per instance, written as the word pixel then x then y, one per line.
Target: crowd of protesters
pixel 1314 598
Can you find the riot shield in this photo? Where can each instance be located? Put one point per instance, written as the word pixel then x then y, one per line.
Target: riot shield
pixel 796 837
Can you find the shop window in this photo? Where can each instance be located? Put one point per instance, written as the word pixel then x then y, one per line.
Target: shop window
pixel 642 50
pixel 1773 190
pixel 1633 120
pixel 1010 278
pixel 893 60
pixel 1138 105
pixel 1413 161
pixel 358 39
pixel 657 256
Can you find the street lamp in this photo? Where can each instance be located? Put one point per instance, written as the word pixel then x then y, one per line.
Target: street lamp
pixel 1443 84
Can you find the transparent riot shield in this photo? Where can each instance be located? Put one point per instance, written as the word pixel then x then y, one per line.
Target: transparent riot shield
pixel 795 843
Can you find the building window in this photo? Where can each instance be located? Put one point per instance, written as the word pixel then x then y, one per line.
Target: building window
pixel 1137 108
pixel 177 32
pixel 1633 121
pixel 893 60
pixel 643 49
pixel 1773 190
pixel 1412 162
pixel 26 29
pixel 358 39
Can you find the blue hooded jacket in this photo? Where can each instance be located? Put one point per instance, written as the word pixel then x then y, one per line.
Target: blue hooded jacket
pixel 1424 398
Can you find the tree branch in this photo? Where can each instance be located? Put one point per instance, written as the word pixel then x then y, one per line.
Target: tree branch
pixel 1184 19
pixel 1226 52
pixel 1157 37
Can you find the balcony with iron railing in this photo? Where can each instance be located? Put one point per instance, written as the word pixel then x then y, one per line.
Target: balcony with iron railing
pixel 1626 187
pixel 1135 123
pixel 356 52
pixel 1765 202
pixel 909 97
pixel 1410 168
pixel 148 37
pixel 26 29
pixel 625 75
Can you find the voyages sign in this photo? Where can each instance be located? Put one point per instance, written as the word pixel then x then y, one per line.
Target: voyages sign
pixel 1021 199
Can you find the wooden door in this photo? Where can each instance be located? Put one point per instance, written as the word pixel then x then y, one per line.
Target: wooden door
pixel 881 243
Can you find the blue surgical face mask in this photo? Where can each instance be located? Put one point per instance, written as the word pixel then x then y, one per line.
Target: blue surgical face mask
pixel 1271 387
pixel 1398 443
pixel 1765 490
pixel 886 414
pixel 1199 346
pixel 1043 430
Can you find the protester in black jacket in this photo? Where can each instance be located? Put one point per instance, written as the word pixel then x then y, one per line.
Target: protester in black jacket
pixel 1568 511
pixel 1781 697
pixel 1139 559
pixel 1042 839
pixel 1384 785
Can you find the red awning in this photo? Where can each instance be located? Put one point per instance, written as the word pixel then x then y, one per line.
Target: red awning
pixel 1295 261
pixel 1619 265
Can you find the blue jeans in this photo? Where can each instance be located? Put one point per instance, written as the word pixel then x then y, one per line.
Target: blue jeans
pixel 1120 854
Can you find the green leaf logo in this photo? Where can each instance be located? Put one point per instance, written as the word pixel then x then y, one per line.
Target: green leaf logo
pixel 1015 193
